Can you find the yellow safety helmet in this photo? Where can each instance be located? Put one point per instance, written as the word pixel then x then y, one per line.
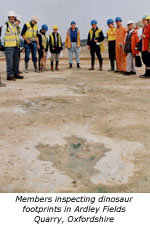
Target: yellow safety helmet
pixel 55 27
pixel 148 17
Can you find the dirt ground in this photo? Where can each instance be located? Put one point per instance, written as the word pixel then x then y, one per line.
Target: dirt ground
pixel 75 130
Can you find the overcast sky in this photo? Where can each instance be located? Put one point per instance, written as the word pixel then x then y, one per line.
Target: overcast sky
pixel 62 12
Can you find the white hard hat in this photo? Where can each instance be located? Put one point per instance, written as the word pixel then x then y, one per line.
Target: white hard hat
pixel 35 18
pixel 11 13
pixel 18 17
pixel 130 22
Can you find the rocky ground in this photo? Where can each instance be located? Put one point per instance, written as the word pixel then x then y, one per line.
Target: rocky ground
pixel 75 131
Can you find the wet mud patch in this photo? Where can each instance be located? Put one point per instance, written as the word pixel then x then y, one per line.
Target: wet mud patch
pixel 77 158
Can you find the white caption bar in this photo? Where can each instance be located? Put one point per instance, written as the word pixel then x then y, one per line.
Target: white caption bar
pixel 41 209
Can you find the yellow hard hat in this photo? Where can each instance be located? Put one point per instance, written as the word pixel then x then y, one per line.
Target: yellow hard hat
pixel 55 27
pixel 148 17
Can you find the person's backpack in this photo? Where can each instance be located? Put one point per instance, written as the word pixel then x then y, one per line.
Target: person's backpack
pixel 2 48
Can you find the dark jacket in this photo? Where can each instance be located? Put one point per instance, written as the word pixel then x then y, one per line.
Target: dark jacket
pixel 57 44
pixel 99 38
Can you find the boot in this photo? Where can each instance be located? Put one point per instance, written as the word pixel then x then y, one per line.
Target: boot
pixel 78 65
pixel 112 66
pixel 100 65
pixel 12 78
pixel 52 66
pixel 70 66
pixel 35 67
pixel 19 76
pixel 56 68
pixel 26 67
pixel 146 75
pixel 92 65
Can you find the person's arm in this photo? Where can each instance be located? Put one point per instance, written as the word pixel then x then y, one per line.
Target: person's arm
pixel 79 35
pixel 61 44
pixel 23 34
pixel 50 43
pixel 37 40
pixel 88 40
pixel 40 41
pixel 66 41
pixel 4 29
pixel 101 37
pixel 46 46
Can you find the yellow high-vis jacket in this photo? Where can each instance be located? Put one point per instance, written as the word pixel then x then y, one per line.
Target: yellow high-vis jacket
pixel 31 33
pixel 97 33
pixel 53 41
pixel 44 40
pixel 11 36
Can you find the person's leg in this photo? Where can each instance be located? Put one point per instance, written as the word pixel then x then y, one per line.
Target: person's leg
pixel 34 57
pixel 9 53
pixel 70 55
pixel 27 54
pixel 111 50
pixel 92 53
pixel 146 61
pixel 16 60
pixel 77 57
pixel 52 61
pixel 133 66
pixel 129 62
pixel 40 53
pixel 57 61
pixel 118 57
pixel 123 63
pixel 98 53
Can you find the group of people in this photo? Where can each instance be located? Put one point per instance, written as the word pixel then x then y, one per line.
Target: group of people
pixel 123 45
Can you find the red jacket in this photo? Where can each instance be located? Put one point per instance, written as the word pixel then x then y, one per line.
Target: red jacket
pixel 134 41
pixel 146 39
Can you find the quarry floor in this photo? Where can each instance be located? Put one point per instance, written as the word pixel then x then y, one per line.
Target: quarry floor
pixel 75 131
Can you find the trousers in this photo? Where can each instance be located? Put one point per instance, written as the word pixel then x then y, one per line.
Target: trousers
pixel 12 61
pixel 130 63
pixel 72 50
pixel 33 48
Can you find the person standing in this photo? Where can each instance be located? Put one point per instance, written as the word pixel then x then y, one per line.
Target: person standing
pixel 17 23
pixel 10 40
pixel 30 36
pixel 131 42
pixel 95 37
pixel 55 44
pixel 121 58
pixel 111 36
pixel 72 42
pixel 43 43
pixel 146 47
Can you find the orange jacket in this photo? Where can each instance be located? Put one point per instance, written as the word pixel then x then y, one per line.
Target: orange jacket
pixel 134 41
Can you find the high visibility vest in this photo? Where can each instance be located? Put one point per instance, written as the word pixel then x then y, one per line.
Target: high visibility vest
pixel 44 40
pixel 31 33
pixel 11 36
pixel 96 36
pixel 111 34
pixel 53 42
